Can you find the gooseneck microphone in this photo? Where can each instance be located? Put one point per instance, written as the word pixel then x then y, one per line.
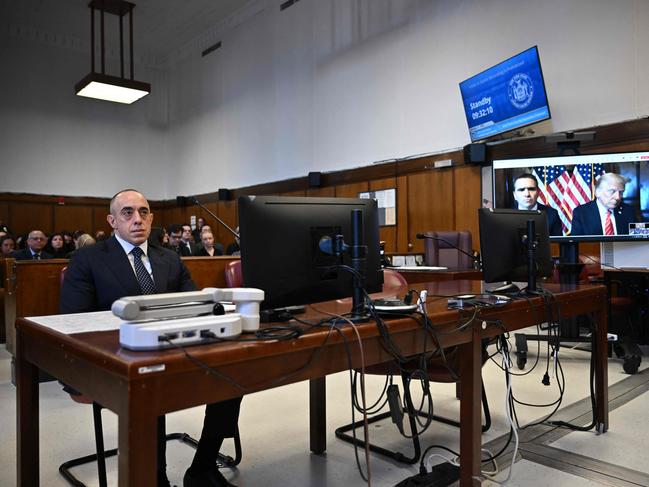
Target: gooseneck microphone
pixel 423 236
pixel 194 200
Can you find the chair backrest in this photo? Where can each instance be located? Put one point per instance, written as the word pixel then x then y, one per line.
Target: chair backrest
pixel 441 253
pixel 394 283
pixel 62 275
pixel 233 274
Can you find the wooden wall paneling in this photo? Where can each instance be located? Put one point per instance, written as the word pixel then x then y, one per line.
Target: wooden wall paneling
pixel 402 214
pixel 72 218
pixel 322 192
pixel 388 234
pixel 351 190
pixel 99 220
pixel 228 212
pixel 430 204
pixel 297 192
pixel 24 217
pixel 467 200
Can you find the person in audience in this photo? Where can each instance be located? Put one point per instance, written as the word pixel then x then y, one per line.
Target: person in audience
pixel 56 246
pixel 187 240
pixel 102 273
pixel 606 214
pixel 36 241
pixel 233 248
pixel 208 247
pixel 21 242
pixel 100 235
pixel 69 241
pixel 7 245
pixel 84 240
pixel 196 233
pixel 175 239
pixel 159 237
pixel 526 195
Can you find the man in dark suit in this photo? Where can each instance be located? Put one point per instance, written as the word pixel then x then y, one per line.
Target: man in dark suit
pixel 187 241
pixel 102 273
pixel 606 214
pixel 526 194
pixel 36 241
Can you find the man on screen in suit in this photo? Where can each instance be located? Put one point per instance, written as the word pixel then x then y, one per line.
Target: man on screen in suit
pixel 526 194
pixel 124 265
pixel 606 214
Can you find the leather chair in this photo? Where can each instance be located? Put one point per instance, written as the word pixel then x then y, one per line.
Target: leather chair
pixel 233 274
pixel 437 371
pixel 440 249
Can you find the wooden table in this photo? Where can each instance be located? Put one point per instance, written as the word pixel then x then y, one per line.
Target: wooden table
pixel 420 276
pixel 132 384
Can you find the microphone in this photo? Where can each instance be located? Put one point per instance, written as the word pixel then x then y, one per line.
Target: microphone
pixel 194 200
pixel 423 236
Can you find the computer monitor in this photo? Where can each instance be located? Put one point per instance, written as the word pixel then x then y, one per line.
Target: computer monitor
pixel 281 254
pixel 504 249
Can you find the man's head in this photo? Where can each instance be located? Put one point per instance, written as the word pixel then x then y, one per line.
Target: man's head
pixel 201 222
pixel 609 189
pixel 208 239
pixel 130 216
pixel 36 240
pixel 526 191
pixel 175 234
pixel 187 233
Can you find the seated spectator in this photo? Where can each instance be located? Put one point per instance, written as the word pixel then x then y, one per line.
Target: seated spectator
pixel 36 242
pixel 175 236
pixel 56 246
pixel 196 233
pixel 208 248
pixel 7 245
pixel 83 240
pixel 69 241
pixel 100 235
pixel 159 237
pixel 21 241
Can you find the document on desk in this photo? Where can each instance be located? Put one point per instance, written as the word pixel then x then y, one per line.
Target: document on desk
pixel 419 268
pixel 79 322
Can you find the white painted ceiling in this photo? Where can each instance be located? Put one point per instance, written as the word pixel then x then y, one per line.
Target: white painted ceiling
pixel 160 26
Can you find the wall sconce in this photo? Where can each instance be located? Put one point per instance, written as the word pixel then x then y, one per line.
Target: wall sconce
pixel 101 85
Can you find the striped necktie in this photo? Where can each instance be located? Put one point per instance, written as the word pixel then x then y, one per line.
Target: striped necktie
pixel 608 225
pixel 143 278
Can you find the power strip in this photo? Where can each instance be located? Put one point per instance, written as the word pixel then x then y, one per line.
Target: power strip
pixel 154 335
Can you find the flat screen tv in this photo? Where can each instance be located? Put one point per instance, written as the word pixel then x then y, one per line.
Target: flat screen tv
pixel 505 97
pixel 282 253
pixel 579 193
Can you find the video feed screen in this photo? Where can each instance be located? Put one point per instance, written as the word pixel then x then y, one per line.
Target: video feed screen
pixel 594 197
pixel 505 97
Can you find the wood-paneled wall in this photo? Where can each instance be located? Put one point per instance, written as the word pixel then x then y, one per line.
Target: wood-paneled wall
pixel 427 198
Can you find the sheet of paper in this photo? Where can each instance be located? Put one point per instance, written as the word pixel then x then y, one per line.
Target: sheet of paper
pixel 79 322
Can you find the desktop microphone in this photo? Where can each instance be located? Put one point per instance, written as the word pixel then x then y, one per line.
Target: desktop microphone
pixel 194 200
pixel 423 236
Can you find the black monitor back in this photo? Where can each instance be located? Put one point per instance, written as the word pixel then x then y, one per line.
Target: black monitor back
pixel 503 250
pixel 280 251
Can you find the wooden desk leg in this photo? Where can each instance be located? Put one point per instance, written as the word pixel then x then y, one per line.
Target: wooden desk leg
pixel 318 414
pixel 470 411
pixel 137 443
pixel 27 419
pixel 601 366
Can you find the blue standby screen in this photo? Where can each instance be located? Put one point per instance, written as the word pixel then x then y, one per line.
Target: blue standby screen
pixel 505 97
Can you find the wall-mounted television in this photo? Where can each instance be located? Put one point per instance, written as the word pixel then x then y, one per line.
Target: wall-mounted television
pixel 598 197
pixel 505 97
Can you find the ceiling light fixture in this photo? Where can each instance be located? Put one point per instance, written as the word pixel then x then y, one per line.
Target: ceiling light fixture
pixel 101 85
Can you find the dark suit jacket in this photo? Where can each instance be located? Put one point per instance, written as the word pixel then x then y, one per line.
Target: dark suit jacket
pixel 101 273
pixel 586 220
pixel 554 222
pixel 25 254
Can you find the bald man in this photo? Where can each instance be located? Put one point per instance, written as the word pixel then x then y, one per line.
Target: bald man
pixel 36 241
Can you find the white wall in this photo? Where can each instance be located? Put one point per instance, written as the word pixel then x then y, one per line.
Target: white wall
pixel 323 85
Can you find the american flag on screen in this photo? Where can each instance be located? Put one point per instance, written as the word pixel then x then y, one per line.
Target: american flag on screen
pixel 553 183
pixel 581 188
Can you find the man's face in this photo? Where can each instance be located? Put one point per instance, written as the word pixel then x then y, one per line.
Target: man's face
pixel 610 193
pixel 36 240
pixel 131 217
pixel 187 233
pixel 526 193
pixel 200 223
pixel 174 238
